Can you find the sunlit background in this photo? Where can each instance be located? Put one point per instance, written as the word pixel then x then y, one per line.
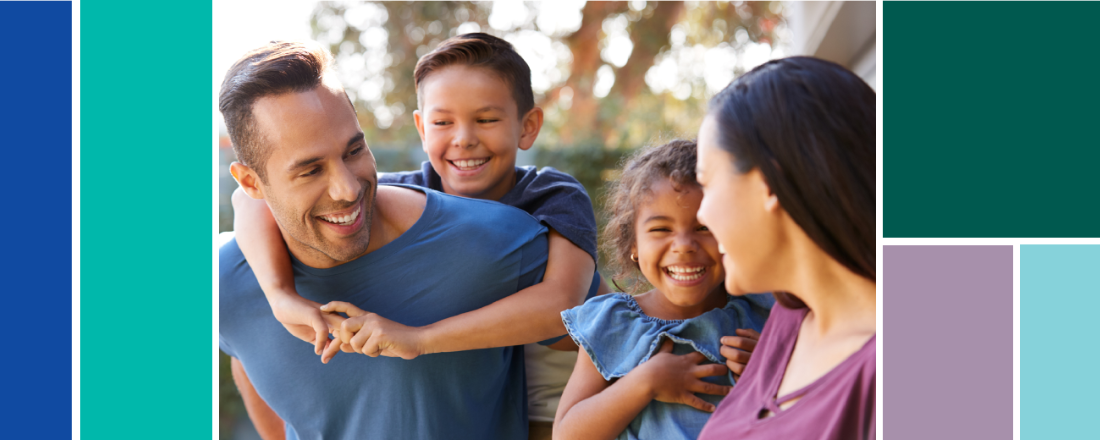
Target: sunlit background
pixel 611 76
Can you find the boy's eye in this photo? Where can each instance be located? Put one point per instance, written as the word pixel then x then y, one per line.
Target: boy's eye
pixel 442 123
pixel 485 121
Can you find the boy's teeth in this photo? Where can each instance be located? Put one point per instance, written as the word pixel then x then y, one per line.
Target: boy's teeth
pixel 469 164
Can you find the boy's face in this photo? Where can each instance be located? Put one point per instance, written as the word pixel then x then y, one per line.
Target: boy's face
pixel 471 128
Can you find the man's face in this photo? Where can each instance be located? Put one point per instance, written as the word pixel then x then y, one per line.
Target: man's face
pixel 471 128
pixel 321 177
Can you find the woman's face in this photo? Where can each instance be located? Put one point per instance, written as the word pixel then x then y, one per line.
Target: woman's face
pixel 741 212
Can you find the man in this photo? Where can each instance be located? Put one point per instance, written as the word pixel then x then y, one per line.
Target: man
pixel 414 256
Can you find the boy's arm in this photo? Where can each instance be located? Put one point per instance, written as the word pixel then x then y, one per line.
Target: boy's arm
pixel 267 423
pixel 530 315
pixel 261 242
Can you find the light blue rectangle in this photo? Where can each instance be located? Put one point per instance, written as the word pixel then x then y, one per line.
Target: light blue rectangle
pixel 1059 325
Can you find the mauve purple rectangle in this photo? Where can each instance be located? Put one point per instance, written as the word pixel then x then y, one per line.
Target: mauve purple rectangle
pixel 947 355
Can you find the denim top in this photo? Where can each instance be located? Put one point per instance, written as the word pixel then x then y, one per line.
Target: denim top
pixel 618 336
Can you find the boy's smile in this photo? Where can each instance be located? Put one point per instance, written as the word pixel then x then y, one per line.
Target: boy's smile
pixel 471 129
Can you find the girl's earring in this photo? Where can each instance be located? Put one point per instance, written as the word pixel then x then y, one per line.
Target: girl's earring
pixel 633 258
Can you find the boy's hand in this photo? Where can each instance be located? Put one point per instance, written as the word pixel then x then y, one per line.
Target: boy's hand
pixel 674 378
pixel 373 335
pixel 738 350
pixel 305 320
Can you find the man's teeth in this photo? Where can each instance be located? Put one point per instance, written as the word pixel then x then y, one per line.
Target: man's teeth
pixel 686 273
pixel 342 220
pixel 466 165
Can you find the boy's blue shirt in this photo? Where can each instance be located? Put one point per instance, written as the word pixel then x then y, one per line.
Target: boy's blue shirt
pixel 554 198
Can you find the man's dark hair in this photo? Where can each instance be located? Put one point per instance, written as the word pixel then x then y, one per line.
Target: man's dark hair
pixel 809 126
pixel 273 69
pixel 480 50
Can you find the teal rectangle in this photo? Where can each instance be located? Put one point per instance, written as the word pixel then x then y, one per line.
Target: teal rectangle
pixel 1059 300
pixel 146 220
pixel 989 126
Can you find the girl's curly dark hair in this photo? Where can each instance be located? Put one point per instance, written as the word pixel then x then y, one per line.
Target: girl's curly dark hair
pixel 674 161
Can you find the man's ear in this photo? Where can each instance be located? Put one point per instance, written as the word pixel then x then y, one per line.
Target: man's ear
pixel 248 179
pixel 418 118
pixel 531 124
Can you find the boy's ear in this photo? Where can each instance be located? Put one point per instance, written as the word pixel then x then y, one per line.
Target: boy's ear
pixel 531 124
pixel 247 178
pixel 418 119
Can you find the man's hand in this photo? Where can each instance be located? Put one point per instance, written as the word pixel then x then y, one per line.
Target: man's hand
pixel 305 320
pixel 738 350
pixel 373 335
pixel 674 378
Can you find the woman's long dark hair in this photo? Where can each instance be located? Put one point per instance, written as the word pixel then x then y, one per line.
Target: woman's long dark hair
pixel 809 126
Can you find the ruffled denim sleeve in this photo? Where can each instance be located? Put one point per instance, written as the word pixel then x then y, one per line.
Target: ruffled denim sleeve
pixel 618 336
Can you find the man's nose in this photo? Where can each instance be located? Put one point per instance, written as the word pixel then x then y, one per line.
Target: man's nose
pixel 344 185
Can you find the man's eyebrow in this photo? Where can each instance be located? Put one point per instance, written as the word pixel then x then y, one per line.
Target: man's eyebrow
pixel 303 163
pixel 355 139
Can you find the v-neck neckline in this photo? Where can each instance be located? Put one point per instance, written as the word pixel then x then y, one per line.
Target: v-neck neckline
pixel 773 401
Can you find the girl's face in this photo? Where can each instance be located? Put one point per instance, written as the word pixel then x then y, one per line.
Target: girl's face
pixel 742 213
pixel 676 253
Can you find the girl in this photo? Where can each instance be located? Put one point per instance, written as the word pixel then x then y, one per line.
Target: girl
pixel 645 356
pixel 787 164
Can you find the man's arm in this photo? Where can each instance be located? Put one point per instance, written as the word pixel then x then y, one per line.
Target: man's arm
pixel 267 423
pixel 530 315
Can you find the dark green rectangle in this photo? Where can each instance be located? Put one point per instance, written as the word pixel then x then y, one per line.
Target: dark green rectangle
pixel 990 122
pixel 146 220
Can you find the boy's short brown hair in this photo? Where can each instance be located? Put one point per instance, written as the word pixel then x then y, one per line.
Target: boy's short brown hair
pixel 480 50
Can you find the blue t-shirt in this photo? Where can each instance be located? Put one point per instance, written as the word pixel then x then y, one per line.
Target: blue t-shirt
pixel 551 196
pixel 460 255
pixel 618 336
pixel 554 198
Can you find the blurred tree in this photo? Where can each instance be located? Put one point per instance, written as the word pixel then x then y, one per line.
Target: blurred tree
pixel 598 67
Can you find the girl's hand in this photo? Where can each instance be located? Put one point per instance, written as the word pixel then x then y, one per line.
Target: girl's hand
pixel 674 378
pixel 738 350
pixel 373 335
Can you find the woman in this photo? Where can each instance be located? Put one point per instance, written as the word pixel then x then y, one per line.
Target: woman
pixel 787 164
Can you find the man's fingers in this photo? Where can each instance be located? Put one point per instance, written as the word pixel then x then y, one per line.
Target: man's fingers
pixel 741 342
pixel 343 307
pixel 361 339
pixel 735 355
pixel 697 403
pixel 709 388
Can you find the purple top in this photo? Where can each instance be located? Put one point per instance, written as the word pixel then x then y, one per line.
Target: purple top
pixel 838 405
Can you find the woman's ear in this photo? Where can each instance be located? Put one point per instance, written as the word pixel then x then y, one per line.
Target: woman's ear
pixel 770 199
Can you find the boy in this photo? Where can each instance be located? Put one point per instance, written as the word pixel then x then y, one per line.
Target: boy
pixel 476 108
